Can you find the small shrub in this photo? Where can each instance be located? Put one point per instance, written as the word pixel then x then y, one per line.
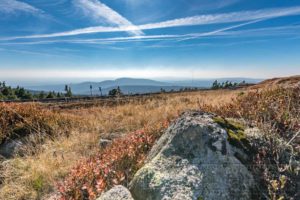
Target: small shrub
pixel 116 165
pixel 17 120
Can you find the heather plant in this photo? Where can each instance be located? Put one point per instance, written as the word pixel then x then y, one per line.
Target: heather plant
pixel 115 165
pixel 18 120
pixel 271 165
pixel 75 164
pixel 273 161
pixel 35 175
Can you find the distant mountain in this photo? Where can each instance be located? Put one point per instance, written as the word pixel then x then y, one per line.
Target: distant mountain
pixel 129 85
pixel 133 86
pixel 133 82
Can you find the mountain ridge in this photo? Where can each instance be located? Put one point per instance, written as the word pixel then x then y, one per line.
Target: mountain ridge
pixel 134 85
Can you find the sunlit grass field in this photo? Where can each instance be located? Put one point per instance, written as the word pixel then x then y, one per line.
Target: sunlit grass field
pixel 64 139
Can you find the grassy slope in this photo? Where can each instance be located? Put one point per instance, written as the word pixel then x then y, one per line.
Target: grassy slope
pixel 36 175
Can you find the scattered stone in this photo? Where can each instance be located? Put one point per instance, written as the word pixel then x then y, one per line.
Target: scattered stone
pixel 10 147
pixel 118 192
pixel 103 143
pixel 194 160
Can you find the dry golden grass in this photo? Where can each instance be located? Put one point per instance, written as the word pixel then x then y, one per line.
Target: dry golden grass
pixel 291 81
pixel 31 177
pixel 136 114
pixel 276 111
pixel 35 176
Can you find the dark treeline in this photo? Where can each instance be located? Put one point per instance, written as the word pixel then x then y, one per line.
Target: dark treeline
pixel 19 93
pixel 227 85
pixel 115 92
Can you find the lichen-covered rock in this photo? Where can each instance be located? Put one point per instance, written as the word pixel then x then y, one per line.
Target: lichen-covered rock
pixel 193 160
pixel 118 192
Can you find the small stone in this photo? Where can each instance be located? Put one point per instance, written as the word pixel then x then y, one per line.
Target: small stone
pixel 103 143
pixel 9 148
pixel 118 192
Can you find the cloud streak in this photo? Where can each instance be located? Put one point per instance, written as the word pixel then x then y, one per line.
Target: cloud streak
pixel 194 36
pixel 99 11
pixel 225 18
pixel 223 32
pixel 219 33
pixel 258 15
pixel 13 6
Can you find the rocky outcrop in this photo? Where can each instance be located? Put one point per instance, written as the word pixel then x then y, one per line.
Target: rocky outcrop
pixel 194 159
pixel 116 193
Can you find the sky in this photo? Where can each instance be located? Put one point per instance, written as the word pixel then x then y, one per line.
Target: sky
pixel 76 40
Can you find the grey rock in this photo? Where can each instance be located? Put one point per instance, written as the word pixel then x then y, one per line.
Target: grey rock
pixel 118 192
pixel 103 143
pixel 193 160
pixel 10 147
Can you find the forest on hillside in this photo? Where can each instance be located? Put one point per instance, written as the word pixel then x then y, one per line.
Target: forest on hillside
pixel 20 93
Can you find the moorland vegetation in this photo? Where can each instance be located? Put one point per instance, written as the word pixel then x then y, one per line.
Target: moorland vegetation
pixel 69 160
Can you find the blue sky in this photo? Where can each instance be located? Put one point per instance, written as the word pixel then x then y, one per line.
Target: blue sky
pixel 65 40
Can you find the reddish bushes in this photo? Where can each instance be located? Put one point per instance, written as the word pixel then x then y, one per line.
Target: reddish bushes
pixel 115 165
pixel 22 119
pixel 278 108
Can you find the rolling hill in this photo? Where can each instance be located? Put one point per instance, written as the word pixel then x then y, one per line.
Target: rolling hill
pixel 133 85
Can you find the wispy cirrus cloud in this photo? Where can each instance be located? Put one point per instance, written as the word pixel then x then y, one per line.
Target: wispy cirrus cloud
pixel 197 35
pixel 99 11
pixel 288 30
pixel 178 37
pixel 225 18
pixel 13 6
pixel 256 15
pixel 220 33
